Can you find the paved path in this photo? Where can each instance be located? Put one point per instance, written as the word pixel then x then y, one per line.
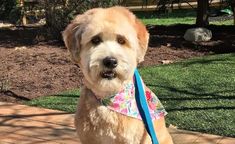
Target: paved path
pixel 30 125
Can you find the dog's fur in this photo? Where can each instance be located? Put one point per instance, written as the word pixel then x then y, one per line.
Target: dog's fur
pixel 95 123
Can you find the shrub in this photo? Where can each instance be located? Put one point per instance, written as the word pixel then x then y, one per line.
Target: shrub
pixel 60 12
pixel 15 15
pixel 6 6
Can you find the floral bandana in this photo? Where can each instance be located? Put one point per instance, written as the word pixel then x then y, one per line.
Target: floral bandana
pixel 124 102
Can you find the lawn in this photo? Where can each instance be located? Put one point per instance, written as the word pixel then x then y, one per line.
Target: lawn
pixel 198 93
pixel 65 101
pixel 176 17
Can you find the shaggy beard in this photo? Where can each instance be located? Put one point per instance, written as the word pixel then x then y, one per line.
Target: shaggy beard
pixel 103 87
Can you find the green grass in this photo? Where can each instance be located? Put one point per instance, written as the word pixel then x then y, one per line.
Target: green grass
pixel 199 94
pixel 66 101
pixel 186 20
pixel 226 22
pixel 176 17
pixel 169 21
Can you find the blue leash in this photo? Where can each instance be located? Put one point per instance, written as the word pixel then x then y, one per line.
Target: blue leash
pixel 143 107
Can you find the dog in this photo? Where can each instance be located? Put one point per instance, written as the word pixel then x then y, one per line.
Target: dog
pixel 107 44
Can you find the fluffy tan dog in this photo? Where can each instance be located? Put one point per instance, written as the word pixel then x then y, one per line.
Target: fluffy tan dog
pixel 108 44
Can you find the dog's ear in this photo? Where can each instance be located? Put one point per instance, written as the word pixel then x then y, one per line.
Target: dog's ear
pixel 72 37
pixel 73 32
pixel 143 37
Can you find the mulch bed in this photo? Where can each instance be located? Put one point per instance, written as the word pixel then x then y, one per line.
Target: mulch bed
pixel 31 69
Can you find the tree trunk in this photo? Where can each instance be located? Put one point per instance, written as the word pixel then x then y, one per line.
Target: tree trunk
pixel 23 20
pixel 233 7
pixel 202 13
pixel 234 15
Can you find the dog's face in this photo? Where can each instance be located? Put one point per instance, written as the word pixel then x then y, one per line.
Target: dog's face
pixel 107 44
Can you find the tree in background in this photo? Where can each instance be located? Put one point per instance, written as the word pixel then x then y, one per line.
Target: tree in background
pixel 202 13
pixel 232 3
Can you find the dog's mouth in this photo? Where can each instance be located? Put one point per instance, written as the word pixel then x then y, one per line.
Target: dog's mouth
pixel 108 74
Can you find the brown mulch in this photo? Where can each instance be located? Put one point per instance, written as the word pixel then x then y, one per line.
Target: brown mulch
pixel 30 69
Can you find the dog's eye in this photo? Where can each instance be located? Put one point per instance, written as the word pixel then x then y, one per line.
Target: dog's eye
pixel 121 40
pixel 96 40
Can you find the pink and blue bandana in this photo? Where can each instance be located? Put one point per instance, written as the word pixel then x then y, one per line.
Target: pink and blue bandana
pixel 124 102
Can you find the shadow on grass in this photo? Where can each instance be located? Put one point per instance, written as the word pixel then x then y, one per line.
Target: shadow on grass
pixel 194 95
pixel 221 59
pixel 201 108
pixel 67 95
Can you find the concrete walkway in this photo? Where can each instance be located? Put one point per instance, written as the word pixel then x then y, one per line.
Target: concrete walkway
pixel 21 124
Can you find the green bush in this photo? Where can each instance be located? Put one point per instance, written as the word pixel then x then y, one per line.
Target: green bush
pixel 11 10
pixel 15 15
pixel 60 12
pixel 6 6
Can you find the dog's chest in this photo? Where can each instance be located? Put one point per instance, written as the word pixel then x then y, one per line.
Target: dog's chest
pixel 105 125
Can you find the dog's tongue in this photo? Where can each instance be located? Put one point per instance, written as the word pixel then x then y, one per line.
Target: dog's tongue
pixel 108 74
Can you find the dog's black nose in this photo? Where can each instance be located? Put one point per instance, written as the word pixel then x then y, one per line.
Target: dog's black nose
pixel 110 62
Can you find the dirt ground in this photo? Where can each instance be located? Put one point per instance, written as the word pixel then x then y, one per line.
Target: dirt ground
pixel 31 69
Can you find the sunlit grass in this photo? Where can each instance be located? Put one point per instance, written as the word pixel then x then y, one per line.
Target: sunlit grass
pixel 169 21
pixel 185 20
pixel 65 101
pixel 175 17
pixel 199 94
pixel 226 22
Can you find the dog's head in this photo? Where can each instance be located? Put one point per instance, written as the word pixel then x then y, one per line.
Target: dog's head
pixel 107 44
